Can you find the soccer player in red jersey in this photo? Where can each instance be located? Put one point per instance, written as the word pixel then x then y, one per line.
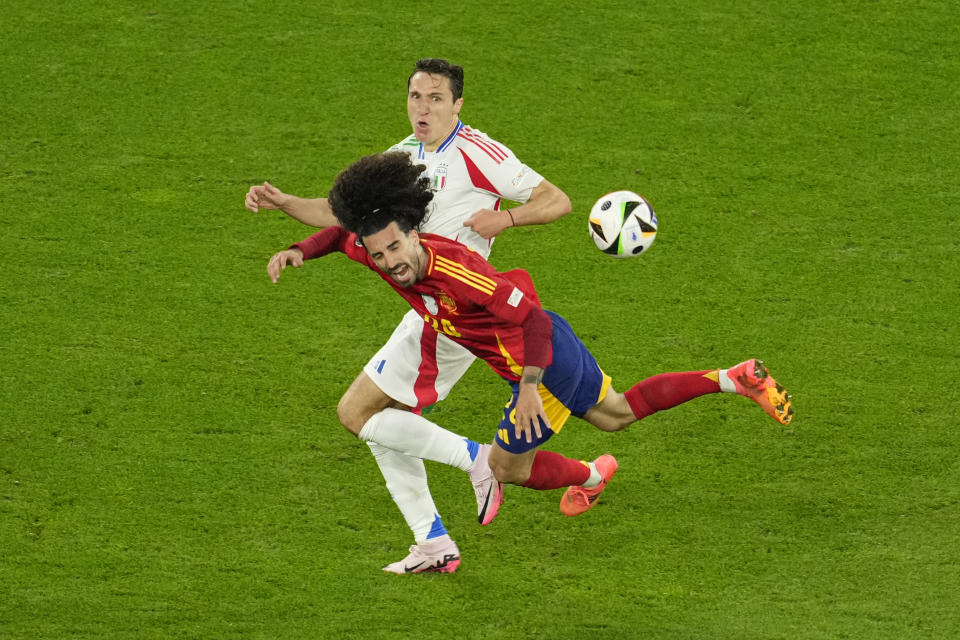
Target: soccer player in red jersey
pixel 380 200
pixel 470 174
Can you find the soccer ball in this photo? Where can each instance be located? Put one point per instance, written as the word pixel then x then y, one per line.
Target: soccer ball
pixel 623 224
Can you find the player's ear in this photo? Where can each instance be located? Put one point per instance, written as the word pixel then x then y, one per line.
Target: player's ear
pixel 457 105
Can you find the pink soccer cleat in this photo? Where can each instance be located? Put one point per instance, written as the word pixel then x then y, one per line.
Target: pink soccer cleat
pixel 489 492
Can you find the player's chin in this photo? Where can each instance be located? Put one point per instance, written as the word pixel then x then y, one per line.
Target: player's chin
pixel 404 279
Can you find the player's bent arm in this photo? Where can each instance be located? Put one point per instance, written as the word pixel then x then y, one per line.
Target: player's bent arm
pixel 314 212
pixel 547 203
pixel 319 244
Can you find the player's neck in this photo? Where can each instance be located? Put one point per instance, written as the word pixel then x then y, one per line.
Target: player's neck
pixel 434 145
pixel 424 261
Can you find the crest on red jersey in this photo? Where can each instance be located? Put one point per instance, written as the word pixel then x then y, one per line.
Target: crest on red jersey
pixel 448 303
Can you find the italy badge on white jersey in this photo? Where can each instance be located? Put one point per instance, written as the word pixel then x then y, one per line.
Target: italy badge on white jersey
pixel 468 172
pixel 439 180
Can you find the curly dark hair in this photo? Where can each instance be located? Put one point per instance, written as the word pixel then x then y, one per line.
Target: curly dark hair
pixel 379 189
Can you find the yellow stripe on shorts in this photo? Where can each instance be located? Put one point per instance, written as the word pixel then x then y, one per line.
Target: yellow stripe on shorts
pixel 556 412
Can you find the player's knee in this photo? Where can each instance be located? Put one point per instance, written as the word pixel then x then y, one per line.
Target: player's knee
pixel 359 403
pixel 508 475
pixel 613 414
pixel 352 413
pixel 505 469
pixel 617 423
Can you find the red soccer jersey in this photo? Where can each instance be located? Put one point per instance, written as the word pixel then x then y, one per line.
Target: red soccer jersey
pixel 461 296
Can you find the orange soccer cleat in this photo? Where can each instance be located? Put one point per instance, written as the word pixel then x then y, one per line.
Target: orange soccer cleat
pixel 576 500
pixel 752 380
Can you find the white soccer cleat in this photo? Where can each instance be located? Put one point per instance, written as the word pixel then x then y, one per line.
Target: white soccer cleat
pixel 439 556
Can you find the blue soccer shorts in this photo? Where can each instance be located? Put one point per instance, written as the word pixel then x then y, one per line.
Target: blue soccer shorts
pixel 572 383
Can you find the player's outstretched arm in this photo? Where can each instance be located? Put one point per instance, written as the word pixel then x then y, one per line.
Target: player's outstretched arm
pixel 279 262
pixel 314 212
pixel 547 203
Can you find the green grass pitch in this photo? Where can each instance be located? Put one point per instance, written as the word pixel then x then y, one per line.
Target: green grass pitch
pixel 170 461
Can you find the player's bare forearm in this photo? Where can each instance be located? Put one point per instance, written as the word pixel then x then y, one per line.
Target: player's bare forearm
pixel 313 212
pixel 547 203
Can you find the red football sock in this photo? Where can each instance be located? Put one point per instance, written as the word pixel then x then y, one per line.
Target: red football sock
pixel 668 390
pixel 552 471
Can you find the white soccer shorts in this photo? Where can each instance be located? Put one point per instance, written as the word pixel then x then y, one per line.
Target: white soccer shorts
pixel 417 366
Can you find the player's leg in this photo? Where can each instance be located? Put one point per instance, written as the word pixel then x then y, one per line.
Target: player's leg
pixel 571 384
pixel 413 435
pixel 419 367
pixel 617 411
pixel 545 470
pixel 361 401
pixel 395 378
pixel 406 477
pixel 657 393
pixel 537 468
pixel 516 461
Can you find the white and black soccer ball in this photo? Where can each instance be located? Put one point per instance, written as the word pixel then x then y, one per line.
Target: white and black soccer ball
pixel 623 224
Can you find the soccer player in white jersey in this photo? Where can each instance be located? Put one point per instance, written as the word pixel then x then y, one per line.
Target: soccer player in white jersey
pixel 471 175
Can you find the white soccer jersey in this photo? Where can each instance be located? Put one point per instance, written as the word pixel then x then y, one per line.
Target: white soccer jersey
pixel 469 172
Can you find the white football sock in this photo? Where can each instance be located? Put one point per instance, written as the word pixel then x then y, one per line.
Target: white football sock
pixel 595 477
pixel 726 384
pixel 406 480
pixel 416 436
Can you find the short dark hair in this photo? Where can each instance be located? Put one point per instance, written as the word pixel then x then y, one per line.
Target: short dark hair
pixel 441 67
pixel 379 189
